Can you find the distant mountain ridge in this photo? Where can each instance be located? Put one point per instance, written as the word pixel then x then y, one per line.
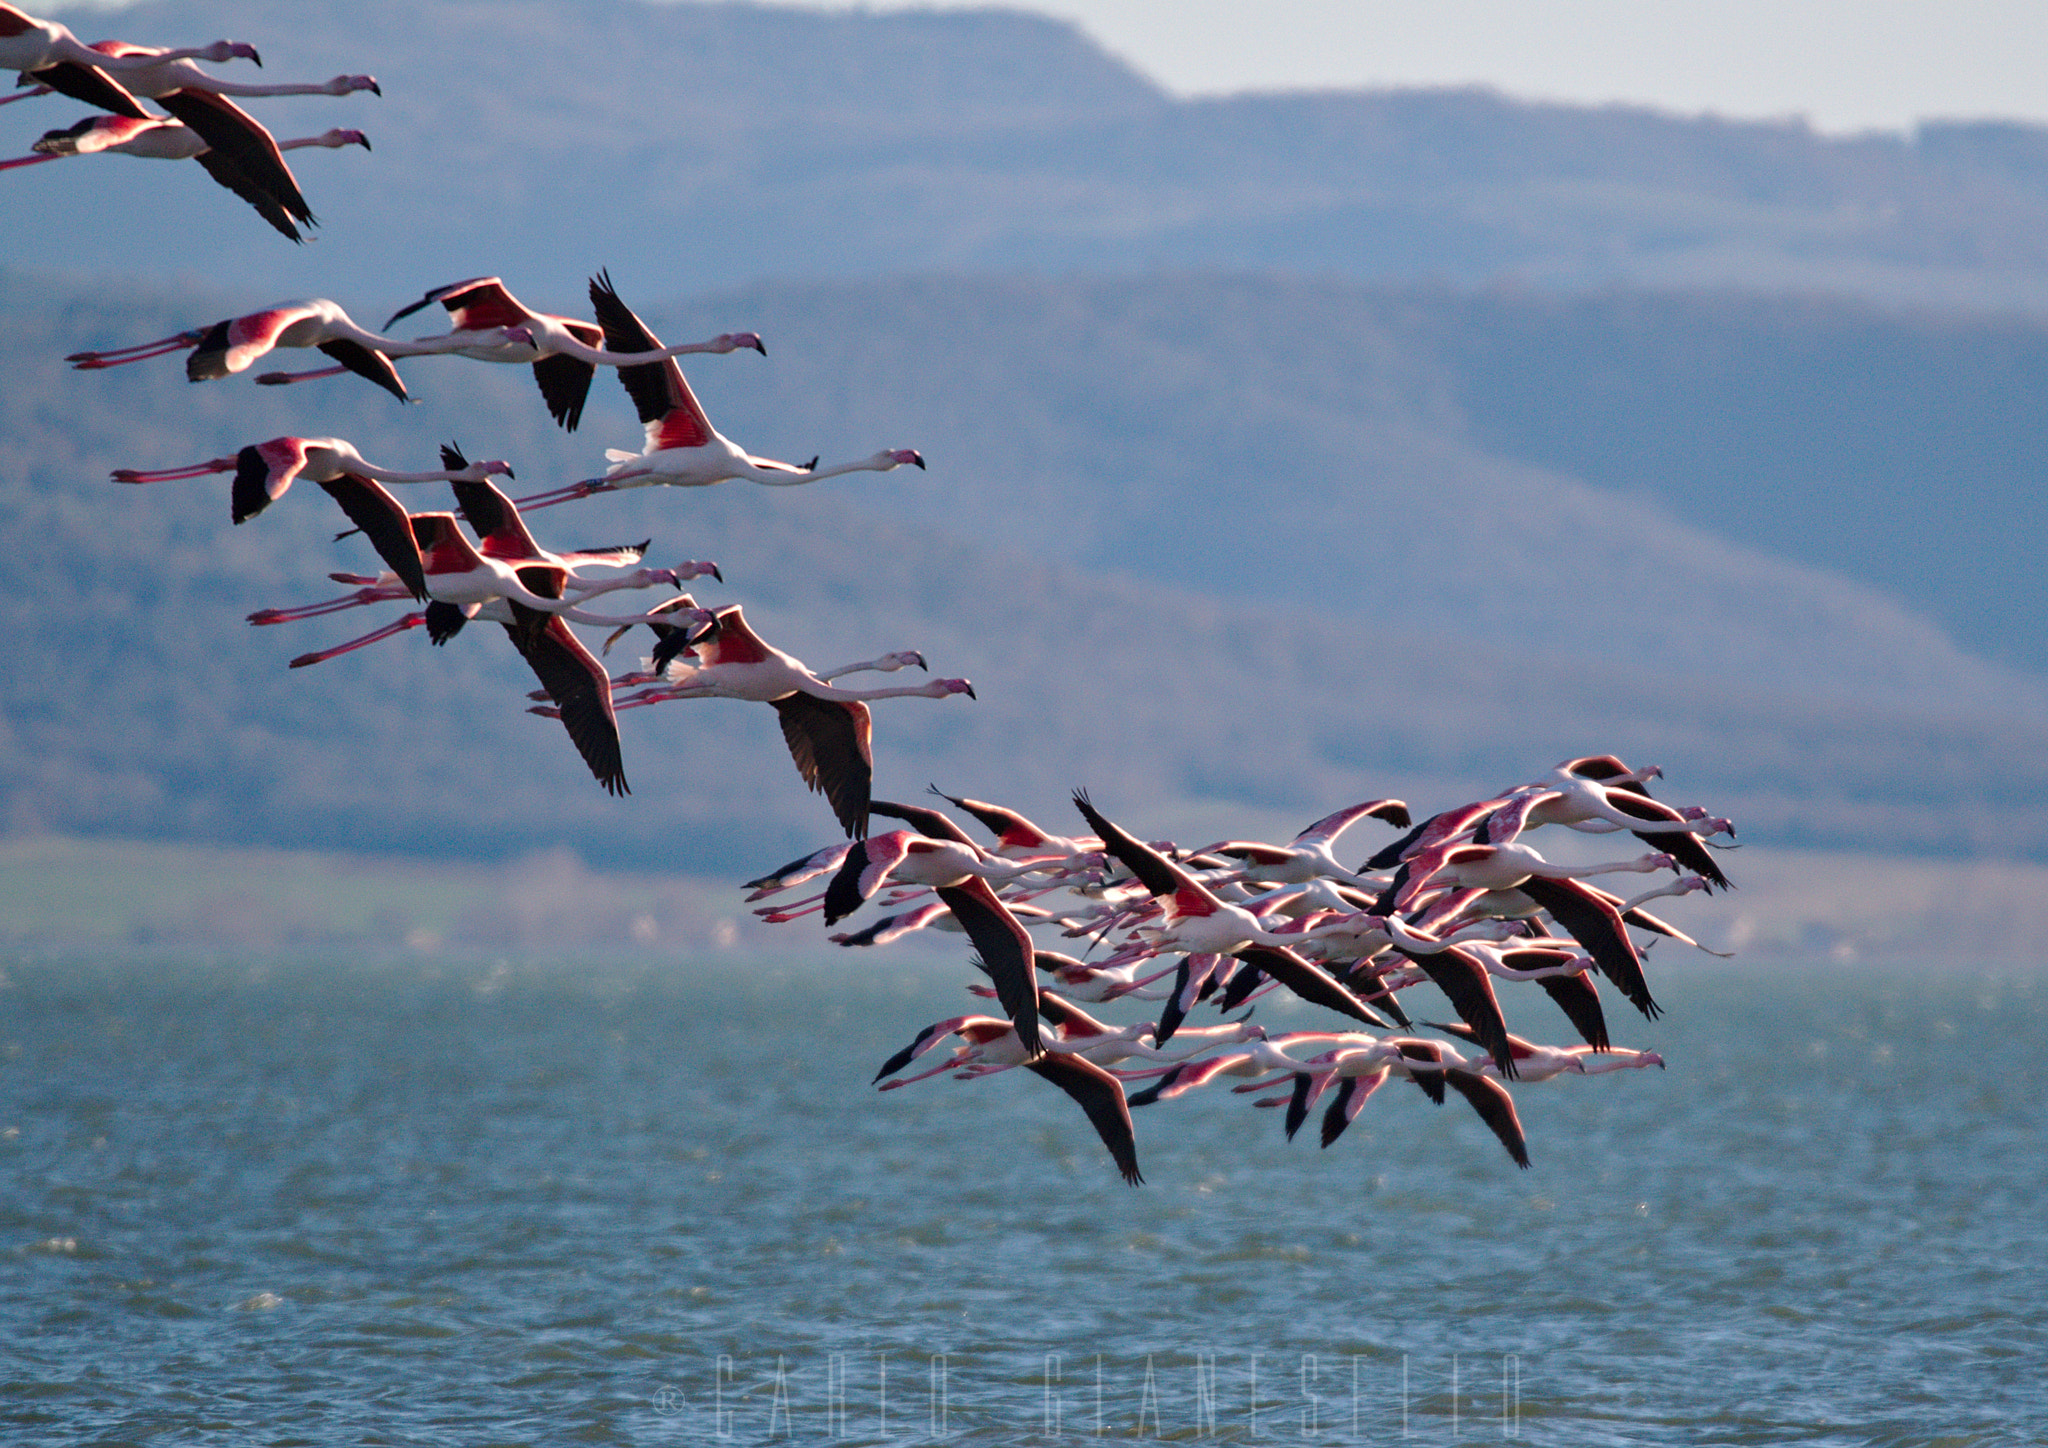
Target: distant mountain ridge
pixel 714 144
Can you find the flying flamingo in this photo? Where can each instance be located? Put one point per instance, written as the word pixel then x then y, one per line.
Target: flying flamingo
pixel 1309 855
pixel 29 45
pixel 265 470
pixel 1601 793
pixel 565 351
pixel 683 449
pixel 201 102
pixel 163 139
pixel 1360 1073
pixel 236 343
pixel 989 1040
pixel 828 729
pixel 156 139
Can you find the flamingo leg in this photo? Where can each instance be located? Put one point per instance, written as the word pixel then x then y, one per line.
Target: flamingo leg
pixel 117 356
pixel 569 494
pixel 164 475
pixel 357 599
pixel 411 620
pixel 282 379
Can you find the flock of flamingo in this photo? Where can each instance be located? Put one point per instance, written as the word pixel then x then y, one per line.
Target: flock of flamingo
pixel 1457 901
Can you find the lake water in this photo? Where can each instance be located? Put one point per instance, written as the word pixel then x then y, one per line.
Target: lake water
pixel 316 1202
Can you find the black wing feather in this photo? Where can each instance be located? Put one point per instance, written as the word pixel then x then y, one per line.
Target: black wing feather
pixel 1102 1097
pixel 828 741
pixel 577 683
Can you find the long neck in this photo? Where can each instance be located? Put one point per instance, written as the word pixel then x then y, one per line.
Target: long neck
pixel 865 465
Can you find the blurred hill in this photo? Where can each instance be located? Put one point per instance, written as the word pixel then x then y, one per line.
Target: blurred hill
pixel 1229 551
pixel 706 145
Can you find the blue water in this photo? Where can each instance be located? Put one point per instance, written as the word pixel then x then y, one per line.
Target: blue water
pixel 313 1202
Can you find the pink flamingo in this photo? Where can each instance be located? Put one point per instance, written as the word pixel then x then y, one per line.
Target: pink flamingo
pixel 264 471
pixel 682 448
pixel 237 343
pixel 828 729
pixel 565 351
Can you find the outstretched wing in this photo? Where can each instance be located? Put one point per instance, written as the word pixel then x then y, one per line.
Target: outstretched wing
pixel 830 741
pixel 1101 1095
pixel 577 683
pixel 673 416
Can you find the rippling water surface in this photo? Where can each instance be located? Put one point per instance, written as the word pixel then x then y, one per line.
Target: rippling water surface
pixel 302 1201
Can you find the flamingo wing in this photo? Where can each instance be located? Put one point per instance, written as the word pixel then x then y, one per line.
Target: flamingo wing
pixel 1352 1094
pixel 222 168
pixel 384 521
pixel 931 823
pixel 578 684
pixel 493 515
pixel 1309 981
pixel 1329 827
pixel 263 471
pixel 233 132
pixel 1579 999
pixel 1460 976
pixel 674 417
pixel 1595 924
pixel 90 84
pixel 1687 848
pixel 445 621
pixel 565 386
pixel 1101 1095
pixel 1496 1108
pixel 1159 875
pixel 831 742
pixel 494 305
pixel 1431 1082
pixel 1005 951
pixel 367 362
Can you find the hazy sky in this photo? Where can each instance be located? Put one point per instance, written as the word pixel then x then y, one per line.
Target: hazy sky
pixel 1847 65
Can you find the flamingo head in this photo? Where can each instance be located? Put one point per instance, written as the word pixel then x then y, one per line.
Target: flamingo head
pixel 899 456
pixel 342 85
pixel 940 688
pixel 903 659
pixel 734 341
pixel 222 50
pixel 74 139
pixel 338 137
pixel 696 568
pixel 1651 1058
